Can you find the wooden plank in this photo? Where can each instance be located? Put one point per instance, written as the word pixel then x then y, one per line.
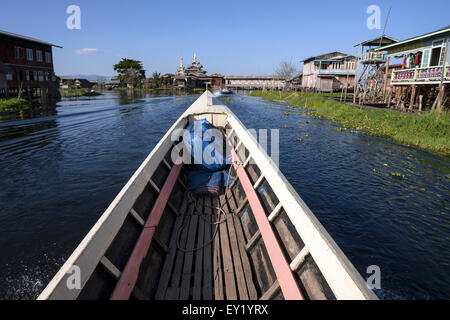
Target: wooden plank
pixel 237 263
pixel 137 217
pixel 207 257
pixel 253 240
pixel 176 275
pixel 288 284
pixel 299 259
pixel 172 293
pixel 228 269
pixel 169 261
pixel 110 267
pixel 189 256
pixel 170 257
pixel 275 212
pixel 197 288
pixel 129 276
pixel 253 294
pixel 217 256
pixel 271 292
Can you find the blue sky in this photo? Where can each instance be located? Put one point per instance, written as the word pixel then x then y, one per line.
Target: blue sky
pixel 230 37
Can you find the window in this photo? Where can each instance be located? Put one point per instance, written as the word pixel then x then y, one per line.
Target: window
pixel 9 76
pixel 35 75
pixel 38 55
pixel 435 56
pixel 425 58
pixel 48 57
pixel 18 52
pixel 30 54
pixel 19 75
pixel 27 75
pixel 41 75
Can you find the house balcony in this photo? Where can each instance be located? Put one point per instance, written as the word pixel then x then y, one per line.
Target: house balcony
pixel 373 58
pixel 421 75
pixel 334 72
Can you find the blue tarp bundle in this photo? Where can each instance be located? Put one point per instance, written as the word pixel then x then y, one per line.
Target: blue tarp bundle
pixel 210 174
pixel 204 182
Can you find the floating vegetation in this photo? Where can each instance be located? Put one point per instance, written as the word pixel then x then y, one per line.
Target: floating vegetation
pixel 306 135
pixel 353 131
pixel 225 99
pixel 429 130
pixel 339 129
pixel 385 164
pixel 286 113
pixel 299 139
pixel 374 170
pixel 397 175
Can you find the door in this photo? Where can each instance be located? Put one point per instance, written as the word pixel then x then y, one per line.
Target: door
pixel 435 56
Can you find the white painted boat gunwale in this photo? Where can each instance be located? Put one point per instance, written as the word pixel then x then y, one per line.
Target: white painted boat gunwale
pixel 341 276
pixel 94 245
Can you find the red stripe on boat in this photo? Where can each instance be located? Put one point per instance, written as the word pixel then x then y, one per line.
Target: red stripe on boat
pixel 128 278
pixel 286 280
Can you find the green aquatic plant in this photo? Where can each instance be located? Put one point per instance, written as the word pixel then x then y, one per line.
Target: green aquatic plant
pixel 397 175
pixel 430 130
pixel 14 104
pixel 299 139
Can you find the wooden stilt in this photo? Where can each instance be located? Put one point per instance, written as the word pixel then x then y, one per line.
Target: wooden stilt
pixel 413 96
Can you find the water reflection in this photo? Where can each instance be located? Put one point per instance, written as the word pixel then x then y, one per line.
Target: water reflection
pixel 60 171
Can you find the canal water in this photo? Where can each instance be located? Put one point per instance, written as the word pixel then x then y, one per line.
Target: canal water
pixel 58 174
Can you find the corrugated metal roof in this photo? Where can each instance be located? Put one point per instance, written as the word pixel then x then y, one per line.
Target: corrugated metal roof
pixel 429 34
pixel 376 41
pixel 18 36
pixel 324 55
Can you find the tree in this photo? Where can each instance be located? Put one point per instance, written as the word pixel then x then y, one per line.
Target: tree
pixel 156 79
pixel 286 70
pixel 130 71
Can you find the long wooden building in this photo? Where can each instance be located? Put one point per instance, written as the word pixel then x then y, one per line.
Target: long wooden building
pixel 26 66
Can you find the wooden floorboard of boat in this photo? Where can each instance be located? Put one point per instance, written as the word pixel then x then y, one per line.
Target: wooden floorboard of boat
pixel 203 263
pixel 217 257
pixel 198 275
pixel 234 245
pixel 227 258
pixel 207 258
pixel 252 293
pixel 171 255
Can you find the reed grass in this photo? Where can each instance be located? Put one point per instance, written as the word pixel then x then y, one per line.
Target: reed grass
pixel 73 93
pixel 429 130
pixel 14 104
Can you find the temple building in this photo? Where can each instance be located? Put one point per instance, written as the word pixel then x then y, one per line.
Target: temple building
pixel 193 76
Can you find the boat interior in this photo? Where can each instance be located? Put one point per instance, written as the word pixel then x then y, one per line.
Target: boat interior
pixel 204 247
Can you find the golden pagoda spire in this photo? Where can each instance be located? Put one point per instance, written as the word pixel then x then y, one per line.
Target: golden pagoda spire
pixel 195 57
pixel 181 62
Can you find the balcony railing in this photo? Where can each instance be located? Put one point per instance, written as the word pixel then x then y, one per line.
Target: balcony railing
pixel 373 57
pixel 331 72
pixel 420 74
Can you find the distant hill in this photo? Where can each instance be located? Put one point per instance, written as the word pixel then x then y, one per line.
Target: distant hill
pixel 90 77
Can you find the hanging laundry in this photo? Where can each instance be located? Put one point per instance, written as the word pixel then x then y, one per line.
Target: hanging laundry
pixel 418 58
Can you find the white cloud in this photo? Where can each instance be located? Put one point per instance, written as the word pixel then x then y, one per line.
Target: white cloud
pixel 88 51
